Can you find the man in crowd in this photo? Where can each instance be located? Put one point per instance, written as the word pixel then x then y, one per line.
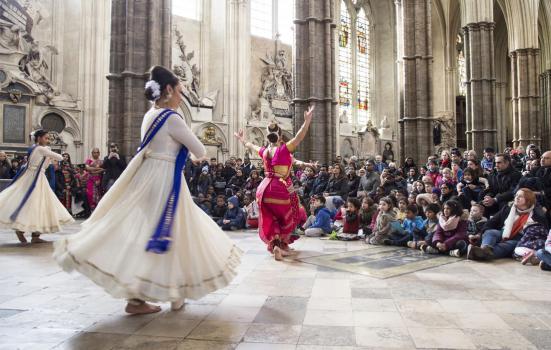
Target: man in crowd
pixel 113 165
pixel 501 184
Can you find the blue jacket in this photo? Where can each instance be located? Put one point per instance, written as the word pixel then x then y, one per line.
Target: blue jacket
pixel 236 217
pixel 411 226
pixel 323 219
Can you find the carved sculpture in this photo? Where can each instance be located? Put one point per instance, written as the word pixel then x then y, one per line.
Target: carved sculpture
pixel 209 136
pixel 275 97
pixel 190 75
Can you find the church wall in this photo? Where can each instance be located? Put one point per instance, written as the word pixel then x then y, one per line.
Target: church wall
pixel 439 67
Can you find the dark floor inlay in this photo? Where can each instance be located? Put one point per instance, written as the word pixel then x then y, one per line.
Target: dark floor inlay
pixel 380 261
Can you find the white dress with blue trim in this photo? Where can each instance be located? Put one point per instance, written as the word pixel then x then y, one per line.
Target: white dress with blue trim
pixel 139 245
pixel 29 204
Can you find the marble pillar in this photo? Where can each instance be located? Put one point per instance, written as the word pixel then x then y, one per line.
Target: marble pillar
pixel 140 39
pixel 481 86
pixel 314 76
pixel 416 119
pixel 527 123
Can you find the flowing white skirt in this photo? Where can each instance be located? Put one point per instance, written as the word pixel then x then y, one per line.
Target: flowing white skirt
pixel 43 212
pixel 110 249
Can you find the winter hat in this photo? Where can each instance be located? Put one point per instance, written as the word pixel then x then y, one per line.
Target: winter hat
pixel 234 200
pixel 338 202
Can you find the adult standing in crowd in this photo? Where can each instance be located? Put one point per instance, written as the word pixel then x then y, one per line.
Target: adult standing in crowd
pixel 113 165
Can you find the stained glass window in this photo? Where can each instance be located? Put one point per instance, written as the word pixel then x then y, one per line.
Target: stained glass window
pixel 362 67
pixel 345 64
pixel 262 18
pixel 461 67
pixel 285 25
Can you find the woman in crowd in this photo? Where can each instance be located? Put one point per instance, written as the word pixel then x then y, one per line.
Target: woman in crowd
pixel 95 171
pixel 237 181
pixel 253 181
pixel 336 186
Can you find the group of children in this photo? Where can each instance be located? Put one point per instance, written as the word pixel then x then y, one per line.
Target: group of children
pixel 236 212
pixel 399 222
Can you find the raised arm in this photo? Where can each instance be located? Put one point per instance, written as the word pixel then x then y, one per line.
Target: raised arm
pixel 241 137
pixel 178 129
pixel 301 134
pixel 47 152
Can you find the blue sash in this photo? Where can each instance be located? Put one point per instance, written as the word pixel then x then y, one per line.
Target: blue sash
pixel 30 190
pixel 160 240
pixel 23 168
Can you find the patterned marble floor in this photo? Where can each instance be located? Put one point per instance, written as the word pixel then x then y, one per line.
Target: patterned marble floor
pixel 279 306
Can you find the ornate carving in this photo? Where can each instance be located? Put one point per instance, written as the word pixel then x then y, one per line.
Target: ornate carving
pixel 276 93
pixel 447 130
pixel 26 58
pixel 209 136
pixel 190 75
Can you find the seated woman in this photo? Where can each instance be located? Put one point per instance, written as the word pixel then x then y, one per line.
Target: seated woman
pixel 336 186
pixel 451 231
pixel 503 232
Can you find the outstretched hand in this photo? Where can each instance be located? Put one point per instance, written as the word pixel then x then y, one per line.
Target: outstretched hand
pixel 240 135
pixel 309 114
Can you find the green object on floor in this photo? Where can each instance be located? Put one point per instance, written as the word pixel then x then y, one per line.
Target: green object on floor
pixel 333 236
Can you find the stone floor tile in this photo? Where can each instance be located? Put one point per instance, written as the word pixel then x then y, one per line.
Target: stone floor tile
pixel 327 335
pixel 499 339
pixel 219 331
pixel 283 310
pixel 429 320
pixel 92 341
pixel 378 319
pixel 384 338
pixel 329 303
pixel 121 324
pixel 480 321
pixel 273 333
pixel 265 346
pixel 371 293
pixel 374 305
pixel 525 321
pixel 190 344
pixel 412 305
pixel 233 313
pixel 165 327
pixel 461 306
pixel 328 318
pixel 441 338
pixel 244 300
pixel 540 338
pixel 143 342
pixel 331 288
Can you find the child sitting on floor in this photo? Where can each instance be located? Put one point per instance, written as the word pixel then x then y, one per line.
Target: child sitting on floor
pixel 351 221
pixel 545 255
pixel 430 223
pixel 219 209
pixel 367 212
pixel 385 223
pixel 451 231
pixel 402 206
pixel 414 226
pixel 477 220
pixel 318 224
pixel 251 207
pixel 234 219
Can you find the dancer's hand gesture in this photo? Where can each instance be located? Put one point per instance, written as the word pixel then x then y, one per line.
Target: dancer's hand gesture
pixel 309 114
pixel 240 135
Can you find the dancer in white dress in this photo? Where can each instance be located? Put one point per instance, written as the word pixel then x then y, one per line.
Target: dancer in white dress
pixel 147 240
pixel 29 204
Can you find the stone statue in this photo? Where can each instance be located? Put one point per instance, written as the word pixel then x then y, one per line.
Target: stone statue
pixel 385 131
pixel 384 123
pixel 343 118
pixel 209 136
pixel 190 75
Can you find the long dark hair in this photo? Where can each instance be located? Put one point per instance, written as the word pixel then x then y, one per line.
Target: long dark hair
pixel 455 207
pixel 162 76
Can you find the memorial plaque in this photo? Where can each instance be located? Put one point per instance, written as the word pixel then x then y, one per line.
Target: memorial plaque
pixel 14 124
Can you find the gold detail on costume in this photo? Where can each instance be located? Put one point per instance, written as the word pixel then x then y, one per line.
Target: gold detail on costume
pixel 282 170
pixel 276 201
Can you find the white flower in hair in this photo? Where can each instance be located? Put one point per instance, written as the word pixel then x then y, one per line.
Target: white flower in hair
pixel 155 89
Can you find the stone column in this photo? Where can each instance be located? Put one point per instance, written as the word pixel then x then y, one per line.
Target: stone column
pixel 237 79
pixel 525 97
pixel 481 88
pixel 315 77
pixel 416 127
pixel 140 38
pixel 545 92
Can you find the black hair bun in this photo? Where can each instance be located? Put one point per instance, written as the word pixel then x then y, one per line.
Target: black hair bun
pixel 159 78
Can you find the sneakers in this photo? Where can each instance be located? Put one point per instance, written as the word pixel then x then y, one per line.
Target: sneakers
pixel 429 250
pixel 412 244
pixel 456 253
pixel 480 253
pixel 544 266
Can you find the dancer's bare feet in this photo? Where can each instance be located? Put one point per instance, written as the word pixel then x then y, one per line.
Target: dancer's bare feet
pixel 278 254
pixel 21 237
pixel 177 305
pixel 36 239
pixel 141 308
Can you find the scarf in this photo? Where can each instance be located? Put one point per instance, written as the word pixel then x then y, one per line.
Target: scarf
pixel 448 224
pixel 515 221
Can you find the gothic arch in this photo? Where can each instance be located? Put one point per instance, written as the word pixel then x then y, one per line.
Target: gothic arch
pixel 199 131
pixel 71 125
